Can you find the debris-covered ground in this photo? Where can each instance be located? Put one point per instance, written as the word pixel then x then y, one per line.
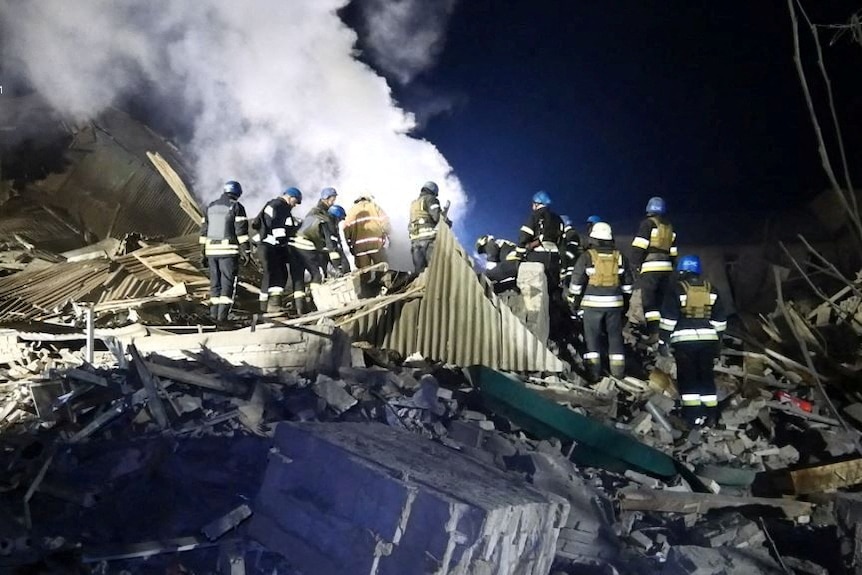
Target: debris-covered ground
pixel 151 465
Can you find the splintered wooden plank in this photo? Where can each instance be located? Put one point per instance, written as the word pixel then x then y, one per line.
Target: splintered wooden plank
pixel 826 477
pixel 676 502
pixel 161 273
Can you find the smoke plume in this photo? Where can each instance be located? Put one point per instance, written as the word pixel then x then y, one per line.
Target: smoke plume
pixel 271 89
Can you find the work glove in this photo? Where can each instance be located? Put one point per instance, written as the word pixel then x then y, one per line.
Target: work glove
pixel 244 258
pixel 663 349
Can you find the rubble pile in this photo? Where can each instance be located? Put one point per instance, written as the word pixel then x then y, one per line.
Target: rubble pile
pixel 110 465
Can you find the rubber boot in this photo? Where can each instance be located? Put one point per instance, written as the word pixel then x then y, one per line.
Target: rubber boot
pixel 274 304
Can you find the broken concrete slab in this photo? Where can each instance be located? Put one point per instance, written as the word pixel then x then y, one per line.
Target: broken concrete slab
pixel 694 560
pixel 366 498
pixel 333 393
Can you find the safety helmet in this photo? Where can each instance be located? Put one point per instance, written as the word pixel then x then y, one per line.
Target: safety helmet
pixel 232 188
pixel 602 231
pixel 567 221
pixel 594 219
pixel 430 187
pixel 327 193
pixel 482 242
pixel 294 193
pixel 656 205
pixel 542 198
pixel 337 212
pixel 689 264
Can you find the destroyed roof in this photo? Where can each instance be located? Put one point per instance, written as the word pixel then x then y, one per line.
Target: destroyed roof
pixel 45 292
pixel 111 181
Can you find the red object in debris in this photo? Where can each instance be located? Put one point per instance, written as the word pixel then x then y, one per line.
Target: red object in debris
pixel 785 397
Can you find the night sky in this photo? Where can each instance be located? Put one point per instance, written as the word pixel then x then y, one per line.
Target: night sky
pixel 603 104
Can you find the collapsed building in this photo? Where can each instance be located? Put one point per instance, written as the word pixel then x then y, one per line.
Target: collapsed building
pixel 433 429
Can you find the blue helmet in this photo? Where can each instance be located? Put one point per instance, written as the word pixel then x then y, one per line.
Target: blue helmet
pixel 232 188
pixel 689 264
pixel 567 221
pixel 656 205
pixel 337 212
pixel 594 219
pixel 327 193
pixel 542 198
pixel 430 187
pixel 294 193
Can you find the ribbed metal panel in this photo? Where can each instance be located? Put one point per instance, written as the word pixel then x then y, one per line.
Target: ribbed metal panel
pixel 458 320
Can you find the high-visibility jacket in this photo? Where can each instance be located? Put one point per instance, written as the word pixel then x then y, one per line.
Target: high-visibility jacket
pixel 692 312
pixel 275 224
pixel 655 246
pixel 601 279
pixel 224 230
pixel 570 247
pixel 366 228
pixel 424 216
pixel 542 232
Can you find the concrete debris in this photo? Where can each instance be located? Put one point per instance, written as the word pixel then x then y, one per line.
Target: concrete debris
pixel 423 508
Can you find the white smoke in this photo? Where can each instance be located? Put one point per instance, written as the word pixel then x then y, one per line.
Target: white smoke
pixel 275 94
pixel 406 36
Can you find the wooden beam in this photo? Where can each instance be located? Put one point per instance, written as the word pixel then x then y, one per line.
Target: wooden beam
pixel 207 381
pixel 677 502
pixel 151 385
pixel 826 477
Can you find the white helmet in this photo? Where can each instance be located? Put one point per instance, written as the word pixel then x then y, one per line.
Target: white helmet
pixel 601 231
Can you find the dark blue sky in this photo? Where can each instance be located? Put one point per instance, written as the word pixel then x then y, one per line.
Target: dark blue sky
pixel 603 104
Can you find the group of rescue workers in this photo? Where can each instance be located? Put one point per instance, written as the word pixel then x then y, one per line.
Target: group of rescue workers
pixel 592 280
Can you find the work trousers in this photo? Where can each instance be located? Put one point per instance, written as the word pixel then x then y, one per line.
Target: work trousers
pixel 695 379
pixel 653 286
pixel 223 271
pixel 601 323
pixel 421 250
pixel 302 261
pixel 504 276
pixel 273 259
pixel 370 259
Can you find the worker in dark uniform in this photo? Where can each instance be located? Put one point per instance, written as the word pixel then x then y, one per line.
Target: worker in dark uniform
pixel 540 237
pixel 652 257
pixel 501 262
pixel 601 288
pixel 425 214
pixel 275 225
pixel 570 249
pixel 225 242
pixel 314 249
pixel 693 318
pixel 337 259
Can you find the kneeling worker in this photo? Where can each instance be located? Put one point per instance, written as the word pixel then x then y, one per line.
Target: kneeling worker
pixel 601 288
pixel 501 262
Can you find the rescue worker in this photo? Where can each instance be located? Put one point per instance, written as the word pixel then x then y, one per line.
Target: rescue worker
pixel 501 262
pixel 366 231
pixel 693 318
pixel 275 225
pixel 570 248
pixel 339 263
pixel 313 248
pixel 652 257
pixel 540 238
pixel 425 214
pixel 600 290
pixel 225 244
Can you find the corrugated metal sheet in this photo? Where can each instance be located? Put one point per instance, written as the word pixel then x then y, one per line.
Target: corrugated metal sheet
pixel 457 320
